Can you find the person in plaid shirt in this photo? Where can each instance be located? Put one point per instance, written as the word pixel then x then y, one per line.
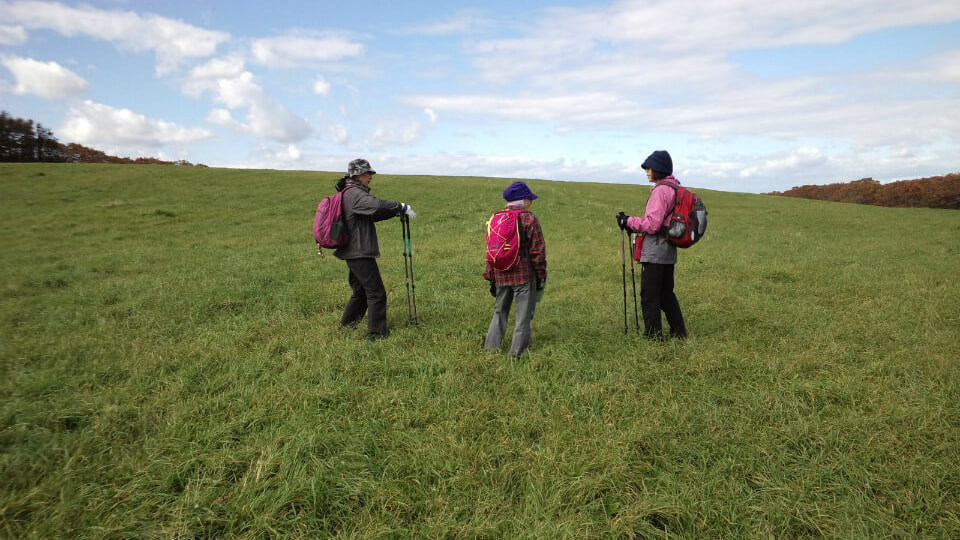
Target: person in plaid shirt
pixel 523 282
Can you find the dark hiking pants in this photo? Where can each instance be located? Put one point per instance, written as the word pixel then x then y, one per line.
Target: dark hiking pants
pixel 369 297
pixel 656 295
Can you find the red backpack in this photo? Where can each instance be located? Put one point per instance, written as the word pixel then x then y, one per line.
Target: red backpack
pixel 688 221
pixel 329 229
pixel 503 239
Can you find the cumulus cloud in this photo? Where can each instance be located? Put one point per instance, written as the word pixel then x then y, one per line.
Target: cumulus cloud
pixel 238 90
pixel 170 40
pixel 105 127
pixel 303 49
pixel 44 79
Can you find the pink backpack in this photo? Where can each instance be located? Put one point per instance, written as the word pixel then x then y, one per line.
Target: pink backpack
pixel 503 239
pixel 329 228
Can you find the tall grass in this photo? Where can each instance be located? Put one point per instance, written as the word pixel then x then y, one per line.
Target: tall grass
pixel 172 367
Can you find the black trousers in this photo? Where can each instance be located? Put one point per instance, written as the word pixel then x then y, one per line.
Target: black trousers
pixel 369 297
pixel 656 295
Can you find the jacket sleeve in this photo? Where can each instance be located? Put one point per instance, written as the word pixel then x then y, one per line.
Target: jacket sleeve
pixel 659 203
pixel 374 208
pixel 538 248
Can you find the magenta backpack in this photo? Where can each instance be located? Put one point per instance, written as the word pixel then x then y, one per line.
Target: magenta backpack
pixel 329 228
pixel 503 239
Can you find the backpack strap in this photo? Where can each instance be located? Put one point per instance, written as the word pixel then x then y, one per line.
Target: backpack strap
pixel 676 199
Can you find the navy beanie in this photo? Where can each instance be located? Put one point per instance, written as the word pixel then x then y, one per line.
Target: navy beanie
pixel 659 161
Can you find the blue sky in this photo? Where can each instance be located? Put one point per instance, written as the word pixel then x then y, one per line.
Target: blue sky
pixel 747 95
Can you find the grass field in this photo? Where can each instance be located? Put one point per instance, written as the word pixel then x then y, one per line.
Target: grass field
pixel 171 367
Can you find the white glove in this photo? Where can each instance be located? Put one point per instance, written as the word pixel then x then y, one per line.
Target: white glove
pixel 408 211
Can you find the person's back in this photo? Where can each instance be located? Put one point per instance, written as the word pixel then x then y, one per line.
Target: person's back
pixel 522 282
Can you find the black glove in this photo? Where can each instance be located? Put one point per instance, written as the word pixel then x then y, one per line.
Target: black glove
pixel 541 284
pixel 493 289
pixel 622 220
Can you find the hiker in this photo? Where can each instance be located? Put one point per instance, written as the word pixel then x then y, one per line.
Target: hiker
pixel 360 211
pixel 657 256
pixel 522 283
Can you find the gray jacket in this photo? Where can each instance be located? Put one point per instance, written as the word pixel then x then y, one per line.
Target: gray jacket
pixel 657 250
pixel 360 211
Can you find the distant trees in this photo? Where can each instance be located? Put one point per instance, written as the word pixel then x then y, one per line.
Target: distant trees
pixel 23 141
pixel 931 192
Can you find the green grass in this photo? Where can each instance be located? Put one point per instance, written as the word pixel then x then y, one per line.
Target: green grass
pixel 171 366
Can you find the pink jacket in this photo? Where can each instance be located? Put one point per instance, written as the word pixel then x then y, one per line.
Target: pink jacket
pixel 657 212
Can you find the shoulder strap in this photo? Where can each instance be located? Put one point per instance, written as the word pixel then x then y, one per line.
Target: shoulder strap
pixel 676 201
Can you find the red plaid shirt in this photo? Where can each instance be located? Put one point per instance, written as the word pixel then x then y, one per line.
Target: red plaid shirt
pixel 533 256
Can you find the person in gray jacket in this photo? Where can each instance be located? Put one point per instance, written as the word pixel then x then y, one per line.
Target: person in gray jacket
pixel 360 211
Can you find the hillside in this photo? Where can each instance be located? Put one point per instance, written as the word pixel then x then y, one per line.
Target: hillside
pixel 171 366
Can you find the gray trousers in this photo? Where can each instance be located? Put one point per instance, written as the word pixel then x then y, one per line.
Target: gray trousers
pixel 526 301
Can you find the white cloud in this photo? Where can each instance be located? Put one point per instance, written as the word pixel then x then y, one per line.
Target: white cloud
pixel 431 115
pixel 594 107
pixel 735 24
pixel 238 90
pixel 218 68
pixel 299 49
pixel 222 117
pixel 287 154
pixel 619 66
pixel 172 41
pixel 943 68
pixel 44 79
pixel 12 35
pixel 321 86
pixel 204 77
pixel 799 158
pixel 110 129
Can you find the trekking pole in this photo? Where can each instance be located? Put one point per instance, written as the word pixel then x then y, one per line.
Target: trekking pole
pixel 636 315
pixel 623 265
pixel 408 269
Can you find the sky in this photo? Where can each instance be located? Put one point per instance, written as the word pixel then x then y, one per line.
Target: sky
pixel 747 95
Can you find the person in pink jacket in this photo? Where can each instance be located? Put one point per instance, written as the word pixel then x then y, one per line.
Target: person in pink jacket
pixel 657 256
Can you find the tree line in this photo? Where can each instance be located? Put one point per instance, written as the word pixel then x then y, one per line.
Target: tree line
pixel 24 141
pixel 931 192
